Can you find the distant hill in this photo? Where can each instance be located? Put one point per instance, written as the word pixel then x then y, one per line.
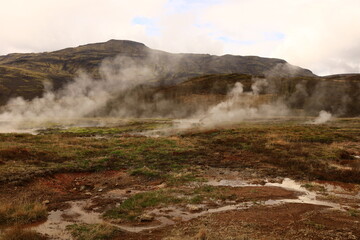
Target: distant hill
pixel 25 74
pixel 308 95
pixel 177 84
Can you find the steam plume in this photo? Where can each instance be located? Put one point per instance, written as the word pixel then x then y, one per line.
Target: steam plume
pixel 323 117
pixel 80 98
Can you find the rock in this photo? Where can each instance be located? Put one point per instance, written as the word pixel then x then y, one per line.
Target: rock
pixel 177 219
pixel 45 202
pixel 193 208
pixel 100 190
pixel 88 193
pixel 161 186
pixel 145 218
pixel 230 202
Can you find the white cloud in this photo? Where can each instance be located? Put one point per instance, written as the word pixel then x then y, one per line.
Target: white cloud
pixel 321 35
pixel 40 25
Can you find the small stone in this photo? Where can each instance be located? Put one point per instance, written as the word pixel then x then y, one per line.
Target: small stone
pixel 45 202
pixel 100 190
pixel 230 202
pixel 193 208
pixel 177 219
pixel 88 193
pixel 82 187
pixel 146 218
pixel 161 186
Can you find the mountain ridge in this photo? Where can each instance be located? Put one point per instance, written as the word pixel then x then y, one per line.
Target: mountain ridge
pixel 184 78
pixel 24 74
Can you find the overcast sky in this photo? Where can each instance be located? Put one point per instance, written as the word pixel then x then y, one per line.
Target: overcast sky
pixel 322 35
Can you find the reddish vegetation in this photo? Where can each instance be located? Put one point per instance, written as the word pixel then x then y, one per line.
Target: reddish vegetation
pixel 289 221
pixel 26 154
pixel 63 187
pixel 16 153
pixel 347 186
pixel 261 193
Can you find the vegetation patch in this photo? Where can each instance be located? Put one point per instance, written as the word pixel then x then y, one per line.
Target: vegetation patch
pixel 18 233
pixel 314 187
pixel 158 153
pixel 354 212
pixel 146 172
pixel 137 204
pixel 22 212
pixel 134 206
pixel 92 231
pixel 287 148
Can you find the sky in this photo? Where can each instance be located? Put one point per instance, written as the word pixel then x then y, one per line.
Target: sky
pixel 321 35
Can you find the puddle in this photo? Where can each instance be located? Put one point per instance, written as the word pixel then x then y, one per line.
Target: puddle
pixel 231 183
pixel 55 226
pixel 182 214
pixel 308 197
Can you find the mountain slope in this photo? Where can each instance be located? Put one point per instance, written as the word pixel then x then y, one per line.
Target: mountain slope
pixel 25 74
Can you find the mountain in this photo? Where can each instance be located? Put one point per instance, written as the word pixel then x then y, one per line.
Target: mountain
pixel 176 85
pixel 25 74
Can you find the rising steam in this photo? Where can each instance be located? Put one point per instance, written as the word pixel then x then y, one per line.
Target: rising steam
pixel 239 106
pixel 323 117
pixel 125 89
pixel 81 98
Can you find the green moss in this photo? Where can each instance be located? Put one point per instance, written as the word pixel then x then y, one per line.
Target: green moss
pixel 146 172
pixel 354 212
pixel 92 231
pixel 133 206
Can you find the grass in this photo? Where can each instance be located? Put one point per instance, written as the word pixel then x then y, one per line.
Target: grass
pixel 314 187
pixel 133 207
pixel 18 233
pixel 159 153
pixel 354 212
pixel 146 172
pixel 313 224
pixel 131 126
pixel 137 204
pixel 21 212
pixel 92 231
pixel 179 178
pixel 290 148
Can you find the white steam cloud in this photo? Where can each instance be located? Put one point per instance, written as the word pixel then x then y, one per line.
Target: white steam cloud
pixel 78 99
pixel 116 93
pixel 323 117
pixel 237 107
